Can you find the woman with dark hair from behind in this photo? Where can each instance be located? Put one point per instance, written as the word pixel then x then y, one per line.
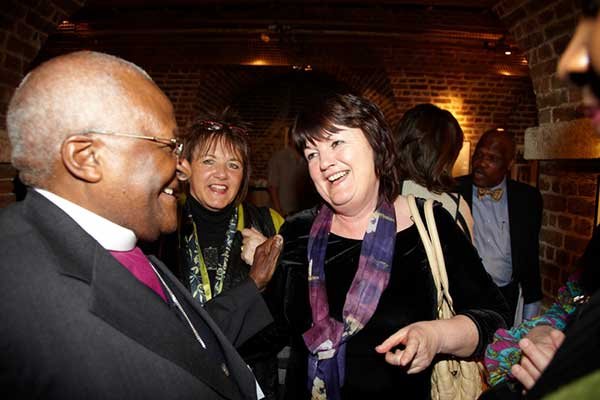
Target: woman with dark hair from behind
pixel 428 141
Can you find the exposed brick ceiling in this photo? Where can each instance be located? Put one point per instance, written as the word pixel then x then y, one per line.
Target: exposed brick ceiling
pixel 287 32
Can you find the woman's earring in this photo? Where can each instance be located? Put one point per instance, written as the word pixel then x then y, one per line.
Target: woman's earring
pixel 182 176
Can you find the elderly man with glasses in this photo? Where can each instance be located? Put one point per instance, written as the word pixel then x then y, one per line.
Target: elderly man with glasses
pixel 84 313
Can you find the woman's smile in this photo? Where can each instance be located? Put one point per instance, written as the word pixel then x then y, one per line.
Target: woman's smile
pixel 335 178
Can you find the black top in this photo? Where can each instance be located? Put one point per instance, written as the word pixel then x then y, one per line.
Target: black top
pixel 218 221
pixel 409 297
pixel 212 229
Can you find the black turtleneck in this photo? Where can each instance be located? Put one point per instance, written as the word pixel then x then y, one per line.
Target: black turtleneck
pixel 211 225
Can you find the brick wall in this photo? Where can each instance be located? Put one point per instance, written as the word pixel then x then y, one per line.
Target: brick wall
pixel 569 191
pixel 542 30
pixel 469 81
pixel 466 81
pixel 266 97
pixel 24 27
pixel 480 98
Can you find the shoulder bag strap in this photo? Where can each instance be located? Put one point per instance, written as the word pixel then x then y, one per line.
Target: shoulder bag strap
pixel 456 199
pixel 427 244
pixel 437 247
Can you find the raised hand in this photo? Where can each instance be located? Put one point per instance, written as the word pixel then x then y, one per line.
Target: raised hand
pixel 251 240
pixel 265 261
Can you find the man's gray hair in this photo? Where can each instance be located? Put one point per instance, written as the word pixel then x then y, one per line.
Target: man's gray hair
pixel 67 95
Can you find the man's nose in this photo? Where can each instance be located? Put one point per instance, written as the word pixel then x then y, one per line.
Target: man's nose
pixel 576 58
pixel 478 161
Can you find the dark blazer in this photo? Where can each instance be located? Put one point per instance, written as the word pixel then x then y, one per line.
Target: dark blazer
pixel 525 208
pixel 77 324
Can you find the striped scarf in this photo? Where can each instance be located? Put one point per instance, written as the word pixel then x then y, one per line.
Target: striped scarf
pixel 326 339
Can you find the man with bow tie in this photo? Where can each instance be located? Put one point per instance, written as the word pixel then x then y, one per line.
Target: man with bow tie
pixel 85 314
pixel 507 219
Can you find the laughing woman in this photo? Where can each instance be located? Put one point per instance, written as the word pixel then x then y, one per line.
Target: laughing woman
pixel 368 274
pixel 212 221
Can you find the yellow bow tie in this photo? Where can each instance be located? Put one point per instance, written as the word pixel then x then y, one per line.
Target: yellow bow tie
pixel 495 194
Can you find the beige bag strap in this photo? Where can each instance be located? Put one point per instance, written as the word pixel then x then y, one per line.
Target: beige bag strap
pixel 437 247
pixel 433 248
pixel 431 257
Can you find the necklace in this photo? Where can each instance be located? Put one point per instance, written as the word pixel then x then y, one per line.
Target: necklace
pixel 200 284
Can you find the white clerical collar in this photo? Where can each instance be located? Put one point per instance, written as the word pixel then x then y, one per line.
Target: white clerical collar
pixel 110 235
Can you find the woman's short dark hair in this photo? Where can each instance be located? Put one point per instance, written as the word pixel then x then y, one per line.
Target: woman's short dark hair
pixel 428 141
pixel 209 129
pixel 335 111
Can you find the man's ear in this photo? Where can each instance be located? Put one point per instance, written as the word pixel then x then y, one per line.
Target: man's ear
pixel 80 159
pixel 510 164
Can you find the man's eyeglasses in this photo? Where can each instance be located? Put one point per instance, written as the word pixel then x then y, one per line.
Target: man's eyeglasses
pixel 215 126
pixel 175 144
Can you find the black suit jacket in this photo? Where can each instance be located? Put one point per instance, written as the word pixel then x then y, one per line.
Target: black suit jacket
pixel 525 207
pixel 77 324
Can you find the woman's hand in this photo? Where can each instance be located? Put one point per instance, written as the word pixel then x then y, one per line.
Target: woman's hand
pixel 251 240
pixel 265 261
pixel 423 340
pixel 538 347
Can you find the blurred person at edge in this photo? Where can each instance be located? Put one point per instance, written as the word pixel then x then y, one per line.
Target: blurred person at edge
pixel 289 186
pixel 428 141
pixel 85 314
pixel 557 365
pixel 367 290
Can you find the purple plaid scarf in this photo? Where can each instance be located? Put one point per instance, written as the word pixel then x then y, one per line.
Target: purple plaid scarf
pixel 326 339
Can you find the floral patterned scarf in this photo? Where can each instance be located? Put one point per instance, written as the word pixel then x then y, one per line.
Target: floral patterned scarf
pixel 326 339
pixel 193 259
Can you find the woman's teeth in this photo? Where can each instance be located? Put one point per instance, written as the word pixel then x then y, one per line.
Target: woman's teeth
pixel 337 176
pixel 168 191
